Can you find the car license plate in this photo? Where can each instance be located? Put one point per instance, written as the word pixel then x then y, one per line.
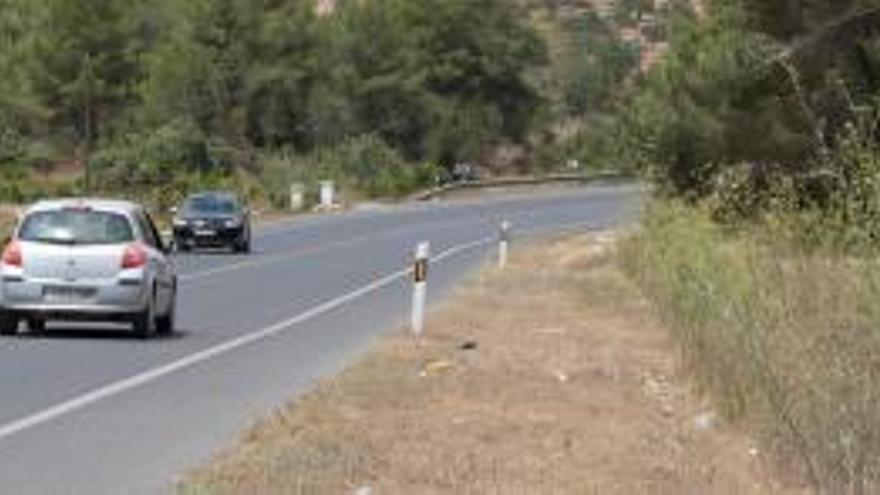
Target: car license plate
pixel 206 233
pixel 68 294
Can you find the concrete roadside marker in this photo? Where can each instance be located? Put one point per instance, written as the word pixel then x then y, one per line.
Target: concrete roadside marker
pixel 327 194
pixel 420 288
pixel 503 244
pixel 297 196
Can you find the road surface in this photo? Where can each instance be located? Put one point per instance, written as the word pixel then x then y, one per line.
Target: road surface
pixel 95 412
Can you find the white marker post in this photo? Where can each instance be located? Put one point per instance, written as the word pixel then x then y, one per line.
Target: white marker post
pixel 420 289
pixel 327 194
pixel 503 244
pixel 297 196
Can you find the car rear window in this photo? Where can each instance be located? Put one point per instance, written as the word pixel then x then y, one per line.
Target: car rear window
pixel 202 205
pixel 80 227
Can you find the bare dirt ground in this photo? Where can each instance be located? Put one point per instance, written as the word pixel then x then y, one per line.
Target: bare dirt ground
pixel 550 377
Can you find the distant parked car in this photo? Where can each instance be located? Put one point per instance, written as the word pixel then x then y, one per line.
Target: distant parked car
pixel 465 172
pixel 212 220
pixel 87 260
pixel 458 173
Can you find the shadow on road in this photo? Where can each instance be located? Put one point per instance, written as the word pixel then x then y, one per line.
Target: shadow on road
pixel 103 333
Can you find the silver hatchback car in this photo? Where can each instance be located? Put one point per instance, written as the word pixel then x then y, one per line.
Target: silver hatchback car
pixel 87 260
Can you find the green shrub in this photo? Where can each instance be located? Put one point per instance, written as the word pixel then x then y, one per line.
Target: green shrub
pixel 363 164
pixel 157 156
pixel 12 147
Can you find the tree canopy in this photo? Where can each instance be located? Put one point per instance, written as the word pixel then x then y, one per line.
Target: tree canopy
pixel 769 87
pixel 437 80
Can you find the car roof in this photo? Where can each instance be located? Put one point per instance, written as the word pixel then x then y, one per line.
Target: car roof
pixel 115 205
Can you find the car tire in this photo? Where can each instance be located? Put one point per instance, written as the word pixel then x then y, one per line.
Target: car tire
pixel 8 324
pixel 36 325
pixel 144 323
pixel 165 324
pixel 242 246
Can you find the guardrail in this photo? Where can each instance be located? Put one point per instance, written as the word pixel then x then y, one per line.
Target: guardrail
pixel 610 175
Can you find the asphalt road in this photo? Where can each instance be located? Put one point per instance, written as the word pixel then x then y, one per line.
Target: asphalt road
pixel 92 411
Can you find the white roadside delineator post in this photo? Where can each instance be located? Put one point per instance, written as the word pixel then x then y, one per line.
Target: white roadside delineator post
pixel 420 289
pixel 327 194
pixel 504 244
pixel 297 196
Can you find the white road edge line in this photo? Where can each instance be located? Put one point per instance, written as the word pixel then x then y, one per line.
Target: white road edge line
pixel 197 276
pixel 146 377
pixel 189 278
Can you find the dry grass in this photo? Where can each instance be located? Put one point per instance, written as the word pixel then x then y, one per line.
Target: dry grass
pixel 571 388
pixel 7 221
pixel 785 341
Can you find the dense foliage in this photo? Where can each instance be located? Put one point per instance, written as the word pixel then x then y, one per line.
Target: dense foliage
pixel 591 65
pixel 146 90
pixel 761 95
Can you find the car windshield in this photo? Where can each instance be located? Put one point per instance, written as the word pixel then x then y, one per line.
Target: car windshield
pixel 80 227
pixel 210 205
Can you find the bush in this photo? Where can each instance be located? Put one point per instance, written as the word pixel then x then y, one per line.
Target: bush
pixel 18 188
pixel 594 146
pixel 364 164
pixel 785 339
pixel 12 147
pixel 836 209
pixel 855 206
pixel 156 157
pixel 6 226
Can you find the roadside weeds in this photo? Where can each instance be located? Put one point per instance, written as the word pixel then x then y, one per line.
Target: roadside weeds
pixel 550 377
pixel 782 335
pixel 7 221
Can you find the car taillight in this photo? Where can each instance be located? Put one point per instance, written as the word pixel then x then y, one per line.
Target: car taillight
pixel 135 256
pixel 12 255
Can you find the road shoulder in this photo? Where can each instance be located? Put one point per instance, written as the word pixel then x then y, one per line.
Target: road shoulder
pixel 551 376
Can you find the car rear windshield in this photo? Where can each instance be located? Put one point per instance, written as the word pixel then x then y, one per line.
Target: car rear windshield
pixel 210 205
pixel 79 227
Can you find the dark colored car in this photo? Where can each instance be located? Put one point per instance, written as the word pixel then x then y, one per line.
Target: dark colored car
pixel 458 173
pixel 465 172
pixel 212 220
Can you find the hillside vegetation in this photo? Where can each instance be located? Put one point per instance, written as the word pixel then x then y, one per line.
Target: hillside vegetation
pixel 760 130
pixel 255 94
pixel 765 99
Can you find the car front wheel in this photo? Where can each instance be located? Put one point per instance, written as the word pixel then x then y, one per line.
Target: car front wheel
pixel 36 325
pixel 243 245
pixel 8 324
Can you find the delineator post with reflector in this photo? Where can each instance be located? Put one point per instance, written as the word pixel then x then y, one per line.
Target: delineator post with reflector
pixel 503 244
pixel 420 288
